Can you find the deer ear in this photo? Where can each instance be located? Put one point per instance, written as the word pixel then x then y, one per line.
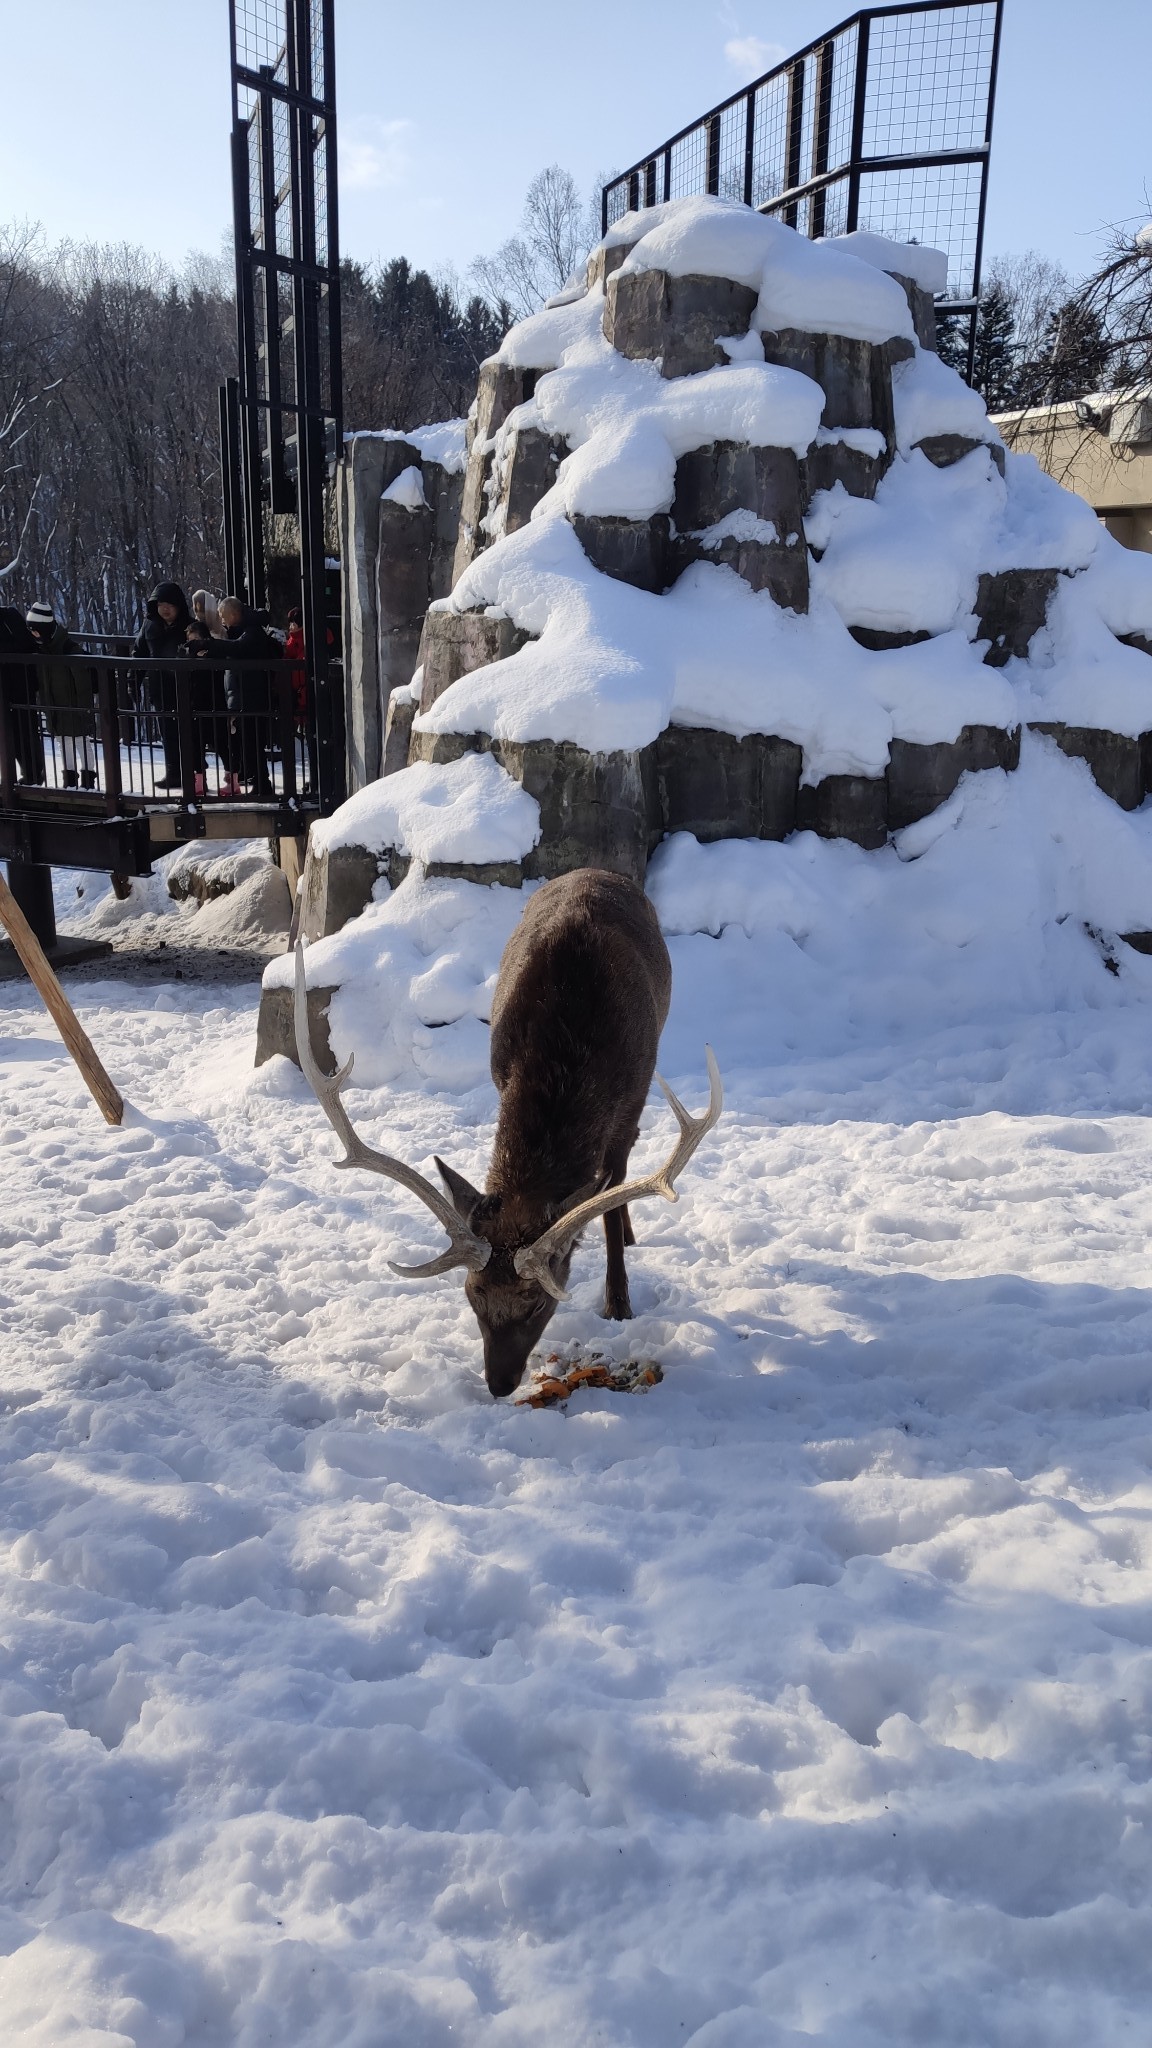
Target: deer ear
pixel 465 1197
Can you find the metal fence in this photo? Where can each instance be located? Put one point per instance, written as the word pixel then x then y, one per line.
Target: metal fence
pixel 884 123
pixel 101 736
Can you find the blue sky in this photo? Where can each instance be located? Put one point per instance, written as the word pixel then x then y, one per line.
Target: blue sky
pixel 119 128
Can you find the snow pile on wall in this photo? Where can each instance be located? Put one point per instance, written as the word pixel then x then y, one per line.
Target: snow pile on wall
pixel 609 666
pixel 1008 896
pixel 467 811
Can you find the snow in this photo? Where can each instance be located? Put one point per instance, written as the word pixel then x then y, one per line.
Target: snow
pixel 926 267
pixel 1120 581
pixel 468 810
pixel 443 442
pixel 612 665
pixel 407 490
pixel 626 425
pixel 817 286
pixel 803 1698
pixel 929 398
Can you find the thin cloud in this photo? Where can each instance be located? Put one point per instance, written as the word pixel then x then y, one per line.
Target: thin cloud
pixel 750 55
pixel 374 154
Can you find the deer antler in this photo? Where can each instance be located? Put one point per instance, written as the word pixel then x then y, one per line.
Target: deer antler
pixel 466 1249
pixel 532 1260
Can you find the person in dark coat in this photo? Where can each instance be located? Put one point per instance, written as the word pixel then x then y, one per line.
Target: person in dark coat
pixel 19 696
pixel 166 619
pixel 252 652
pixel 67 696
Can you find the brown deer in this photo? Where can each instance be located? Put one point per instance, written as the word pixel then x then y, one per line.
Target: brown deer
pixel 582 995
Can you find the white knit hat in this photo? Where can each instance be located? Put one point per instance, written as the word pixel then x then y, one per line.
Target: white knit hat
pixel 40 615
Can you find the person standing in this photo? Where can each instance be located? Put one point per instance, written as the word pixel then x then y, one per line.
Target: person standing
pixel 67 696
pixel 18 695
pixel 248 691
pixel 166 620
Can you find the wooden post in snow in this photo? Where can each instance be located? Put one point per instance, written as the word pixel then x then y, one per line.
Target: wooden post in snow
pixel 60 1009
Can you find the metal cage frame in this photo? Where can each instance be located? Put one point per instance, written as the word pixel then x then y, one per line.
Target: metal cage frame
pixel 848 132
pixel 281 425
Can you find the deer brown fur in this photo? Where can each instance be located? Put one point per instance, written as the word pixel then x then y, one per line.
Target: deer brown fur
pixel 580 1003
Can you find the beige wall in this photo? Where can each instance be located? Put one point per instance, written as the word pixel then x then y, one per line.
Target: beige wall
pixel 1109 465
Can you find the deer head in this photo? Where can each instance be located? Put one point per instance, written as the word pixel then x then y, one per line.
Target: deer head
pixel 516 1273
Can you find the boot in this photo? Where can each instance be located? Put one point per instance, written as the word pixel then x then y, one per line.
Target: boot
pixel 88 778
pixel 71 779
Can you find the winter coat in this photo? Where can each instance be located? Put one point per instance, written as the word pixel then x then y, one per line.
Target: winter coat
pixel 15 638
pixel 294 650
pixel 250 644
pixel 156 638
pixel 65 692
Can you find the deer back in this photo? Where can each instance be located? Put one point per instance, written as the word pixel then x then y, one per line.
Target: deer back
pixel 580 1002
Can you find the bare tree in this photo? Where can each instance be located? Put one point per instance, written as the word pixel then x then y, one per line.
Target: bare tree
pixel 555 234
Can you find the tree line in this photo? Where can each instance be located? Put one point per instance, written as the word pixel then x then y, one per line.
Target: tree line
pixel 110 366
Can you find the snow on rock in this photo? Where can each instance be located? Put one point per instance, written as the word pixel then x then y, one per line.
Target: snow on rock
pixel 443 442
pixel 929 398
pixel 996 868
pixel 407 490
pixel 468 810
pixel 816 286
pixel 613 666
pixel 926 267
pixel 1119 580
pixel 1078 672
pixel 626 425
pixel 543 340
pixel 414 976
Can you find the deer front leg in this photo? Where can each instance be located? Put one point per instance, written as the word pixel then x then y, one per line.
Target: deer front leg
pixel 617 1306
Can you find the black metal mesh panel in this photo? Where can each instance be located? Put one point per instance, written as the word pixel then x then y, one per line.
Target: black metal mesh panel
pixel 690 164
pixel 259 33
pixel 822 116
pixel 938 205
pixel 733 127
pixel 928 79
pixel 770 146
pixel 843 96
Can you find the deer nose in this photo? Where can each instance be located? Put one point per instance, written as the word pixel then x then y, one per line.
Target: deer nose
pixel 505 1357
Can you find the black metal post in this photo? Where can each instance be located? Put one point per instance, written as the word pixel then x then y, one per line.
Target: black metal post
pixel 795 137
pixel 714 153
pixel 749 145
pixel 825 60
pixel 978 258
pixel 859 102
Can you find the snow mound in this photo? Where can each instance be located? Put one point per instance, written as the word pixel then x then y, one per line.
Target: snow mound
pixel 468 810
pixel 414 977
pixel 820 287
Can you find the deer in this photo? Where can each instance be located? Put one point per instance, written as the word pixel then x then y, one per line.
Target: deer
pixel 581 998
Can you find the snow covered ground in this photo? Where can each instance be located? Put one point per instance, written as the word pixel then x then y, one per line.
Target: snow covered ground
pixel 805 1697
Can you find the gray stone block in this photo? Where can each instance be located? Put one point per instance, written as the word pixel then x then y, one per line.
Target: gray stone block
pixel 530 467
pixel 1012 606
pixel 921 778
pixel 632 550
pixel 729 476
pixel 444 490
pixel 945 449
pixel 763 565
pixel 830 463
pixel 596 810
pixel 922 307
pixel 398 731
pixel 678 320
pixel 501 389
pixel 843 367
pixel 276 1029
pixel 604 263
pixel 845 807
pixel 879 639
pixel 403 592
pixel 1119 765
pixel 453 644
pixel 336 886
pixel 719 787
